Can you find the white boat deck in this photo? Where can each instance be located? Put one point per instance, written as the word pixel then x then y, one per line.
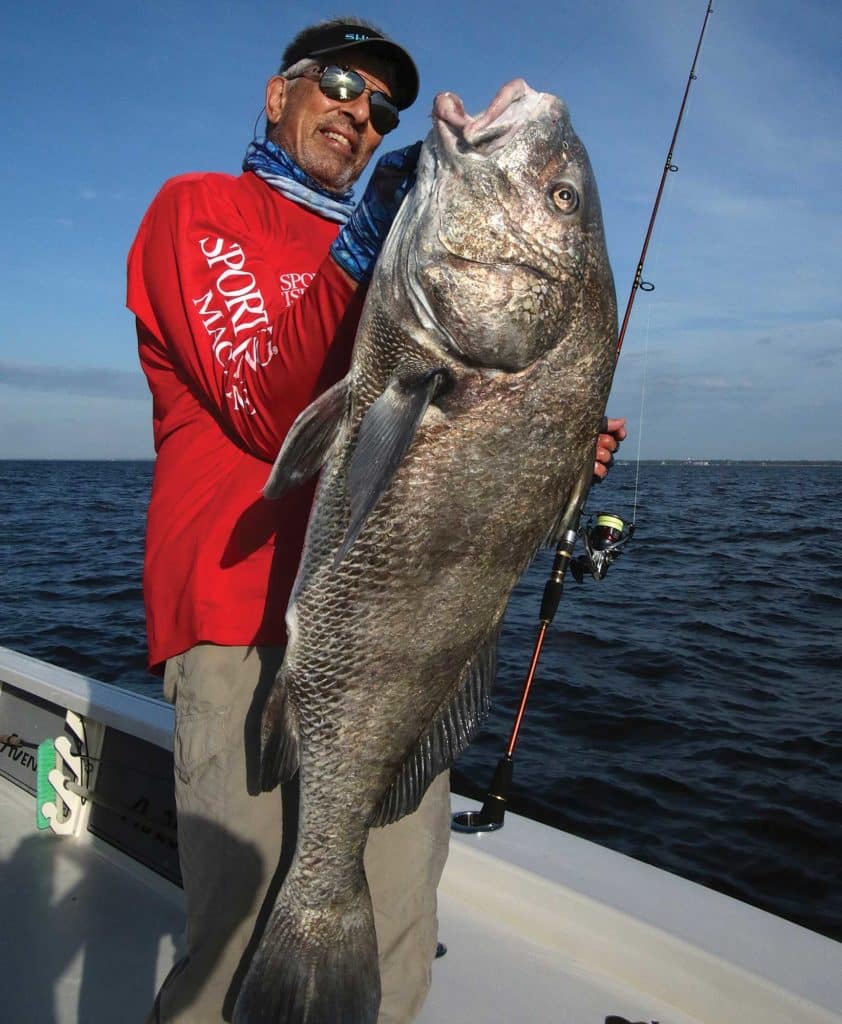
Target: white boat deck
pixel 540 926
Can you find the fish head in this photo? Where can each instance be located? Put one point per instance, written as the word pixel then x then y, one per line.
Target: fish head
pixel 507 246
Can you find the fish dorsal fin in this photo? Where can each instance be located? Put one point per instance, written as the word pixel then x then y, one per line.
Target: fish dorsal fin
pixel 451 730
pixel 386 432
pixel 309 440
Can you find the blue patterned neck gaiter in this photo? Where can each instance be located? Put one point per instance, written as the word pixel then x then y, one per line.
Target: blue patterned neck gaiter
pixel 278 169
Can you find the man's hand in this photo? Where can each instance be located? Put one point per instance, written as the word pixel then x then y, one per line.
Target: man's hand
pixel 606 445
pixel 357 245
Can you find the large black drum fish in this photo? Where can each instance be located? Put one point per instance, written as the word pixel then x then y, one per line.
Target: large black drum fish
pixel 479 378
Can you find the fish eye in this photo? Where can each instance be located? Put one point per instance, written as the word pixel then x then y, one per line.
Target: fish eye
pixel 565 197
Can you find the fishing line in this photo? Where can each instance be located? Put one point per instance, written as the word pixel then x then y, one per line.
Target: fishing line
pixel 650 309
pixel 640 411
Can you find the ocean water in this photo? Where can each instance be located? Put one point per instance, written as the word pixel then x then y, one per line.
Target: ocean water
pixel 687 709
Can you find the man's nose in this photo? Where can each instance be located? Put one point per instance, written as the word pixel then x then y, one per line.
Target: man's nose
pixel 358 108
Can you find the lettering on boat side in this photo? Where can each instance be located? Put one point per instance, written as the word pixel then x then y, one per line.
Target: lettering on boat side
pixel 18 755
pixel 141 808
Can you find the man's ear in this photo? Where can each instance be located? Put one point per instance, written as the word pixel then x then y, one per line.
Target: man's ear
pixel 275 97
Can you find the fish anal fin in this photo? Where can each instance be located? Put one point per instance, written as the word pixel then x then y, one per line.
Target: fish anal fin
pixel 385 434
pixel 309 440
pixel 450 732
pixel 278 738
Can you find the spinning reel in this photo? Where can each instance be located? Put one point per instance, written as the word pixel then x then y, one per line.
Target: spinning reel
pixel 604 542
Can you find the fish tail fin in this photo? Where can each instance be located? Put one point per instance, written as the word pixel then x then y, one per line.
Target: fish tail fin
pixel 314 965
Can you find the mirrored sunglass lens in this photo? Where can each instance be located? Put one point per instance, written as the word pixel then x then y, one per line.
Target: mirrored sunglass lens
pixel 342 84
pixel 339 84
pixel 384 114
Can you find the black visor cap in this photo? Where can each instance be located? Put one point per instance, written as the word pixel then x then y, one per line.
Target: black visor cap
pixel 333 39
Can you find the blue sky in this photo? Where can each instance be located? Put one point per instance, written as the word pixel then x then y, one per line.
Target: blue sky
pixel 741 339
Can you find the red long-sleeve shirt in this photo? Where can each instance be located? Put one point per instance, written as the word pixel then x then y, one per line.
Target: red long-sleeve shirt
pixel 242 320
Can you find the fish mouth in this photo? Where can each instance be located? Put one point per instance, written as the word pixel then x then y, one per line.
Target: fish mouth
pixel 489 131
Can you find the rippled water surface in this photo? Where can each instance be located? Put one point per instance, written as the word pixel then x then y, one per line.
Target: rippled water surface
pixel 687 710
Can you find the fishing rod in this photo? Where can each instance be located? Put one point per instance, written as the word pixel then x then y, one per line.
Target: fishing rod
pixel 604 542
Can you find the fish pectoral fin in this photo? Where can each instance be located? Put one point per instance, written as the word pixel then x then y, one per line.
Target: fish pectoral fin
pixel 278 738
pixel 386 432
pixel 451 730
pixel 309 440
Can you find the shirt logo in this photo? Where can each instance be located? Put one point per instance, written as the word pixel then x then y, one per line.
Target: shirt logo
pixel 293 286
pixel 234 315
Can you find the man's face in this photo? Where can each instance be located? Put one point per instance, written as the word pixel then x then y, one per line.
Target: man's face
pixel 330 139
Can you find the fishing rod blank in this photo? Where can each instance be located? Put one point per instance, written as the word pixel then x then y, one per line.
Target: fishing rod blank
pixel 490 816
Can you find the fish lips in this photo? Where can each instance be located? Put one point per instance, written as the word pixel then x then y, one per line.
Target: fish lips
pixel 490 131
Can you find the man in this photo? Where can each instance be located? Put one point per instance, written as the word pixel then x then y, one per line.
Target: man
pixel 247 293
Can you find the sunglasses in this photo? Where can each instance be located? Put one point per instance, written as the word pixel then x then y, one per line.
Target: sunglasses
pixel 343 84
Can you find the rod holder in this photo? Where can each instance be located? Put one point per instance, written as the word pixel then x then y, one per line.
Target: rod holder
pixel 490 817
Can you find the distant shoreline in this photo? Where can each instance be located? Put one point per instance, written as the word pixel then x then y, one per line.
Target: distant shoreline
pixel 700 462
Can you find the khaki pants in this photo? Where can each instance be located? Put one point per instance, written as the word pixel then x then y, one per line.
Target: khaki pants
pixel 236 843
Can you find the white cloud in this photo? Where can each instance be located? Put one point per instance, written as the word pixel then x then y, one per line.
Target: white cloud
pixel 74 427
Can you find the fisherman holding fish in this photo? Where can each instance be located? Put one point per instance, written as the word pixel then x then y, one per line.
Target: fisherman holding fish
pixel 247 293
